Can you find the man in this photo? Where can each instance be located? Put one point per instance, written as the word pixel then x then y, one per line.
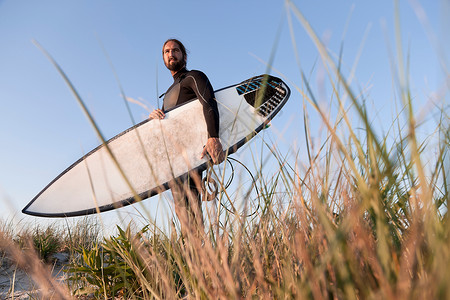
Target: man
pixel 189 85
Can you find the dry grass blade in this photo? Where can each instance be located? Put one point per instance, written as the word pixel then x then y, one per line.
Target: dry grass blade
pixel 28 260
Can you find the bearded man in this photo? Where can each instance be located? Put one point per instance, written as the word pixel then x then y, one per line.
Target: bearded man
pixel 190 85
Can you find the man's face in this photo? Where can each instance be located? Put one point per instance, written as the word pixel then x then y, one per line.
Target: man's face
pixel 173 57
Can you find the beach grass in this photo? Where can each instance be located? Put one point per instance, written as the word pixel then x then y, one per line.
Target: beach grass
pixel 362 215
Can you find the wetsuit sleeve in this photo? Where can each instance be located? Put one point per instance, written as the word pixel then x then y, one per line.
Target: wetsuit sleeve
pixel 203 89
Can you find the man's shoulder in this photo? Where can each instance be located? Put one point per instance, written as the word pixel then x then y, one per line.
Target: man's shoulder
pixel 197 74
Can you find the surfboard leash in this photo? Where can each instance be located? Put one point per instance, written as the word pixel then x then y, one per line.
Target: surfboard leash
pixel 209 183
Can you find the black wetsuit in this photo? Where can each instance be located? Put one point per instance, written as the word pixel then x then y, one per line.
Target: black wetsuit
pixel 189 85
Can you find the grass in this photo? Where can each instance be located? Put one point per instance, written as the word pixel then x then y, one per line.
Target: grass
pixel 364 216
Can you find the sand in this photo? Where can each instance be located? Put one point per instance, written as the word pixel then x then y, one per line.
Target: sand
pixel 17 284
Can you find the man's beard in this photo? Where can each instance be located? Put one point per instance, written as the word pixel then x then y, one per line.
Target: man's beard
pixel 175 65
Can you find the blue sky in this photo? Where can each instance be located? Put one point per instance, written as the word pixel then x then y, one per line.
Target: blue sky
pixel 43 130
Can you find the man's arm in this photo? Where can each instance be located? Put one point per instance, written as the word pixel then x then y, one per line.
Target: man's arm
pixel 204 92
pixel 203 89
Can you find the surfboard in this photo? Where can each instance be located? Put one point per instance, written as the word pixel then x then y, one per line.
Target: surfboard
pixel 154 152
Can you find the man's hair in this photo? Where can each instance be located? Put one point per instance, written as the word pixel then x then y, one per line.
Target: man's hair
pixel 180 44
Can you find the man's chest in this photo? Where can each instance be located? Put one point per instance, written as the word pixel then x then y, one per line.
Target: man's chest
pixel 178 93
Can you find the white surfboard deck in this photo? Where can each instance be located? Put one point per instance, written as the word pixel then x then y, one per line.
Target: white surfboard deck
pixel 154 152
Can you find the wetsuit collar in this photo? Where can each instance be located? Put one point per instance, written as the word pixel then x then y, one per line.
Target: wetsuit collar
pixel 179 73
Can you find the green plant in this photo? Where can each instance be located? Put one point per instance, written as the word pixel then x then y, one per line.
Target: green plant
pixel 92 276
pixel 113 267
pixel 45 242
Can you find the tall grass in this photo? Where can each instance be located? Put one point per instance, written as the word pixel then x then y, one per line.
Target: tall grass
pixel 364 216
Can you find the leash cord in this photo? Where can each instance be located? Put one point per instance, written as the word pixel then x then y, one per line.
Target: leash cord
pixel 208 181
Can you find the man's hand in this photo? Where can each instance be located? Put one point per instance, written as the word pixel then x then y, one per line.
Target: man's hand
pixel 214 149
pixel 157 114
